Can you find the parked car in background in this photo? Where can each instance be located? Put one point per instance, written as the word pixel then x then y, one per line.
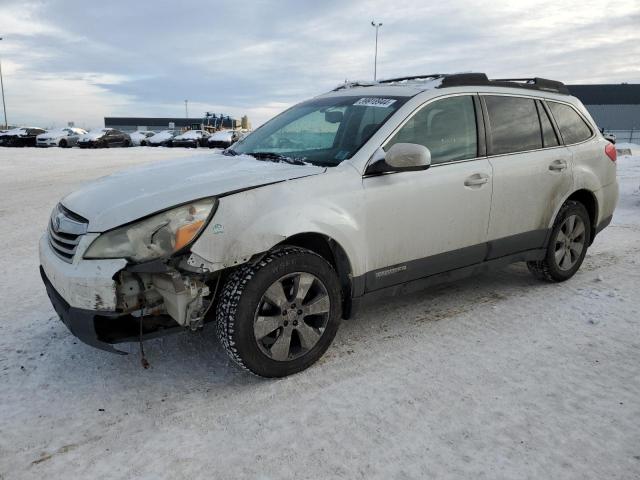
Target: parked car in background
pixel 104 138
pixel 139 138
pixel 162 139
pixel 20 137
pixel 222 139
pixel 192 139
pixel 60 137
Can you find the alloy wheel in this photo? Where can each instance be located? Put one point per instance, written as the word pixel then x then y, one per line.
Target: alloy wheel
pixel 570 242
pixel 292 316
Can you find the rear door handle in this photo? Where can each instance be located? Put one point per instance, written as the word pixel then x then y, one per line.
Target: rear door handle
pixel 476 180
pixel 558 165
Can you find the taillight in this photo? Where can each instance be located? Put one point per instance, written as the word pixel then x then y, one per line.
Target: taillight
pixel 610 150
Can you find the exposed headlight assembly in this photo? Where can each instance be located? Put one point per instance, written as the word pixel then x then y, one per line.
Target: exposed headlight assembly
pixel 158 236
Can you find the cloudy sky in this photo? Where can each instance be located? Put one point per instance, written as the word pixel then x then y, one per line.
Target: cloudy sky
pixel 81 61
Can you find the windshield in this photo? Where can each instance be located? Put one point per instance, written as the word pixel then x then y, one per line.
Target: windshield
pixel 323 131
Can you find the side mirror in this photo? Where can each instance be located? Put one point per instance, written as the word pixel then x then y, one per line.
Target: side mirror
pixel 401 157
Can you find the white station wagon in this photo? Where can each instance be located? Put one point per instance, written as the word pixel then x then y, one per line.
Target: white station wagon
pixel 372 189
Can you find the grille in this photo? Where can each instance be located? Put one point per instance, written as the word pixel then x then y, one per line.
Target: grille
pixel 65 231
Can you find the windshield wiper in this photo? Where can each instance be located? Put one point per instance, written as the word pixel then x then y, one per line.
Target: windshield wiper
pixel 276 157
pixel 229 152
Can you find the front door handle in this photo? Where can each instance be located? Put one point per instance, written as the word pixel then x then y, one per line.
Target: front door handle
pixel 558 165
pixel 476 180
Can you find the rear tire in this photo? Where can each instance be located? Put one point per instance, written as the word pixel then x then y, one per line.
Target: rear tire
pixel 62 144
pixel 278 316
pixel 568 243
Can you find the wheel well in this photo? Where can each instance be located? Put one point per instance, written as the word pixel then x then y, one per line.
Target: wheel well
pixel 333 253
pixel 586 198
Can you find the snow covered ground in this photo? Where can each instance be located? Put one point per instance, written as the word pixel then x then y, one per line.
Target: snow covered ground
pixel 497 376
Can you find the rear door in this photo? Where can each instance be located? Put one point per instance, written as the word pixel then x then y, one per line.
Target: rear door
pixel 427 222
pixel 532 173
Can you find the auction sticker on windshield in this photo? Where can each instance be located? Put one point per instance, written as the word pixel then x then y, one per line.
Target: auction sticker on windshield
pixel 375 102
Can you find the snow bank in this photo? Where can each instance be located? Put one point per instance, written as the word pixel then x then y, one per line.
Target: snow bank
pixel 498 376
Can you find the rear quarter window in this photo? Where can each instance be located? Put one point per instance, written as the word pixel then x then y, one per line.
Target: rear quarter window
pixel 572 126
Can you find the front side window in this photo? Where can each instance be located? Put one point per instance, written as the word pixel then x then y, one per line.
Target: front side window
pixel 323 131
pixel 513 124
pixel 572 127
pixel 446 127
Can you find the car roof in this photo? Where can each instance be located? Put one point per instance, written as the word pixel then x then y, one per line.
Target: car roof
pixel 445 83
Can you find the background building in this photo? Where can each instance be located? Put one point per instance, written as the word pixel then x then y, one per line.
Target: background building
pixel 614 107
pixel 131 124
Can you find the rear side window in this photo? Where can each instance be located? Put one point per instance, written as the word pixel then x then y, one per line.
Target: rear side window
pixel 446 127
pixel 513 124
pixel 549 137
pixel 572 127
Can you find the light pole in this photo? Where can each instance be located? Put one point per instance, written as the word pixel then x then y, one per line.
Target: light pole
pixel 375 58
pixel 4 105
pixel 186 109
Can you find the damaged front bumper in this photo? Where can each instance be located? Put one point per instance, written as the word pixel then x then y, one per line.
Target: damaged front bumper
pixel 102 303
pixel 103 329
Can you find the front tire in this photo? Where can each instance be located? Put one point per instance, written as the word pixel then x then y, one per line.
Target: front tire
pixel 568 243
pixel 278 316
pixel 62 144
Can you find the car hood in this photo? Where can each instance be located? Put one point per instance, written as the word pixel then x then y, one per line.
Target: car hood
pixel 160 137
pixel 185 136
pixel 221 137
pixel 132 194
pixel 13 132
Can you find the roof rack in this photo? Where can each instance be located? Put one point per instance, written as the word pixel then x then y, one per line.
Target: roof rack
pixel 468 79
pixel 431 76
pixel 536 83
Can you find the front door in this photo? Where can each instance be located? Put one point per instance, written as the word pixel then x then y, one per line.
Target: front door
pixel 427 222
